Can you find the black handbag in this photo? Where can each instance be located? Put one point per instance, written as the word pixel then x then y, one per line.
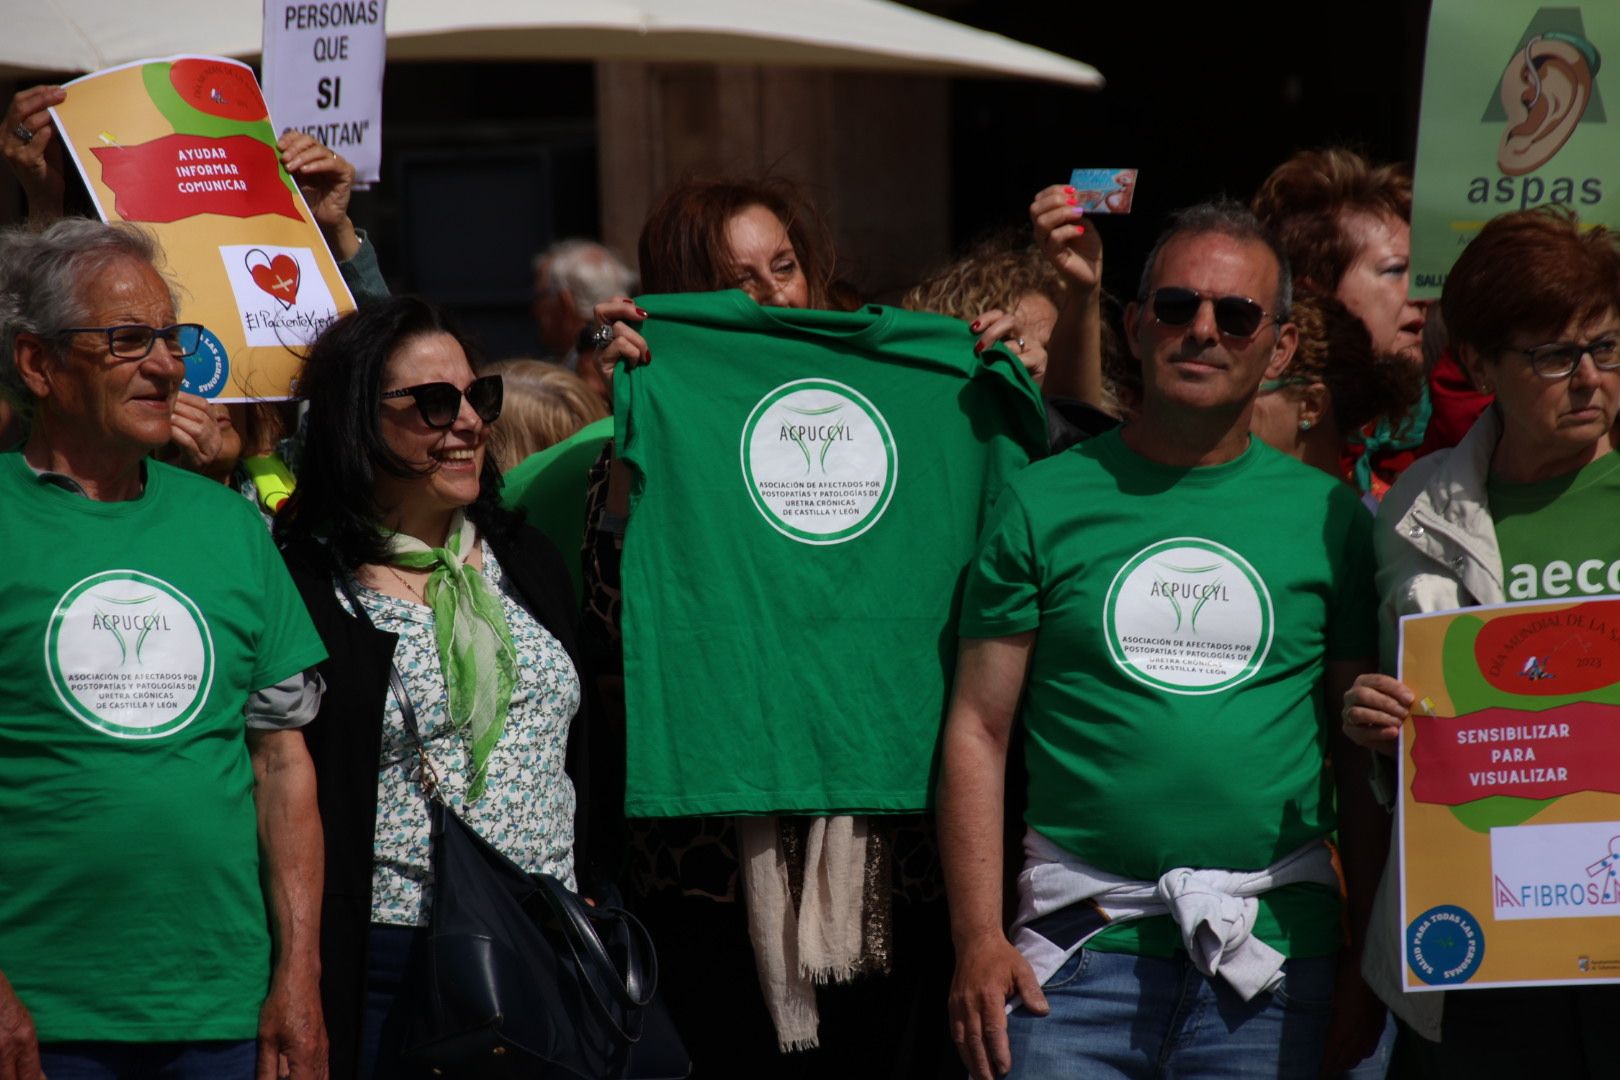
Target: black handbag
pixel 520 978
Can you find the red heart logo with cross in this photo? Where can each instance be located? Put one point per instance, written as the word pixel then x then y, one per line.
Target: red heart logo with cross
pixel 277 276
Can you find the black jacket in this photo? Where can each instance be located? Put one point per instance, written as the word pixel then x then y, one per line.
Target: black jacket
pixel 345 741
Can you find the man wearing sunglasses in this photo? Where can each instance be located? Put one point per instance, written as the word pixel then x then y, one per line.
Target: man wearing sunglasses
pixel 1168 608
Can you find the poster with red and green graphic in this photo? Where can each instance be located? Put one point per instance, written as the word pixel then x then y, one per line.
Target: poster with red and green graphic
pixel 184 147
pixel 1509 817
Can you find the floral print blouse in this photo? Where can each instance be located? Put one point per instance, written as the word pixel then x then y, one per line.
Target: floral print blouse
pixel 527 809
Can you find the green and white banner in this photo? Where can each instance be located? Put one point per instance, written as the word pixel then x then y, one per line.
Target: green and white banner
pixel 1516 100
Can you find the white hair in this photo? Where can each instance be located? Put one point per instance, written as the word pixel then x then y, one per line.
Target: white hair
pixel 590 272
pixel 40 275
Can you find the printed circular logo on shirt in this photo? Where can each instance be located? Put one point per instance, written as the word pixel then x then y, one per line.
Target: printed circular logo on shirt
pixel 130 655
pixel 1189 616
pixel 819 461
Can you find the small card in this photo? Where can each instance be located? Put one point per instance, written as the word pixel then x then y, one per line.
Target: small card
pixel 1104 191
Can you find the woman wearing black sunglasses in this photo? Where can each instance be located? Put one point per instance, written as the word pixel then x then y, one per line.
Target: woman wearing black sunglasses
pixel 397 511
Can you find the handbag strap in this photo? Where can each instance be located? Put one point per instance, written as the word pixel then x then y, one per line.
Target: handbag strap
pixel 635 988
pixel 396 684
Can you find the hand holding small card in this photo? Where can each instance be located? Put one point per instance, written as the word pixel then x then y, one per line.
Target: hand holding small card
pixel 1104 191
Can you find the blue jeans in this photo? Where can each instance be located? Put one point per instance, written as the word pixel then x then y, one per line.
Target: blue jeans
pixel 393 953
pixel 227 1060
pixel 1375 1066
pixel 1120 1015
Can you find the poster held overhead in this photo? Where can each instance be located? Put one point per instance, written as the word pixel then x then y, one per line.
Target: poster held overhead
pixel 1515 114
pixel 183 146
pixel 323 75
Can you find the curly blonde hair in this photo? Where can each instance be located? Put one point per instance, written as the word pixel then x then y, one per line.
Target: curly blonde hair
pixel 995 273
pixel 1307 199
pixel 998 272
pixel 543 405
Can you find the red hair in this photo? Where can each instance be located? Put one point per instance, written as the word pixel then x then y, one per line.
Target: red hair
pixel 683 245
pixel 1307 199
pixel 1531 271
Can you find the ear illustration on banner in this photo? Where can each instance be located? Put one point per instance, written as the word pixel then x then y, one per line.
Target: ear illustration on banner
pixel 1545 92
pixel 278 276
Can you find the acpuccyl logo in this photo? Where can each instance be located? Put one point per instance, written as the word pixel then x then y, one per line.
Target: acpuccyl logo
pixel 1188 615
pixel 819 461
pixel 129 655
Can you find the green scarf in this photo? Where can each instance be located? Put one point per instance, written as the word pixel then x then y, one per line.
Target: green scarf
pixel 476 653
pixel 1406 434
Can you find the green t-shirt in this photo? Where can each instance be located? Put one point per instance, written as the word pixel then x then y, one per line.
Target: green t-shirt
pixel 808 486
pixel 131 636
pixel 549 487
pixel 1175 714
pixel 1557 536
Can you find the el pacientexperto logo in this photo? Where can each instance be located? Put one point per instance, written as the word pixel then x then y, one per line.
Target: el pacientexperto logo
pixel 129 654
pixel 1189 616
pixel 819 461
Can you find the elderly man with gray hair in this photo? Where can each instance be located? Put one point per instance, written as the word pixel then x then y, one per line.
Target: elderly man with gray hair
pixel 570 278
pixel 155 663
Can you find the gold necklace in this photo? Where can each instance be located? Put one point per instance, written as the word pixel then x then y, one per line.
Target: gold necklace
pixel 408 587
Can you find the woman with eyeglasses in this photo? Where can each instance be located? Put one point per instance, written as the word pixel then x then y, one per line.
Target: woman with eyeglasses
pixel 397 541
pixel 686 876
pixel 1521 509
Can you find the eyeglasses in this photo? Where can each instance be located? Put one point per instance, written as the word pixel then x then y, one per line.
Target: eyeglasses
pixel 439 403
pixel 1560 359
pixel 134 341
pixel 1235 316
pixel 1271 386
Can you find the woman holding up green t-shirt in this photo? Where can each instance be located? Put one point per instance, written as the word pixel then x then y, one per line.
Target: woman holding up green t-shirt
pixel 1522 509
pixel 763 237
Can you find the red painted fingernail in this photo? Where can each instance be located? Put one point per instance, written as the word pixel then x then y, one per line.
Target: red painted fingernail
pixel 640 313
pixel 1072 199
pixel 1080 230
pixel 974 325
pixel 1070 190
pixel 978 347
pixel 647 356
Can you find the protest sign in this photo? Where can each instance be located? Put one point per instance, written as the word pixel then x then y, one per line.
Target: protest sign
pixel 184 147
pixel 323 74
pixel 1510 795
pixel 1515 114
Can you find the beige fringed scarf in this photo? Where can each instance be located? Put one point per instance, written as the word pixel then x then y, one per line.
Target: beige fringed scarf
pixel 823 941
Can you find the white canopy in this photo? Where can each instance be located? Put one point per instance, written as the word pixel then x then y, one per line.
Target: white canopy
pixel 86 35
